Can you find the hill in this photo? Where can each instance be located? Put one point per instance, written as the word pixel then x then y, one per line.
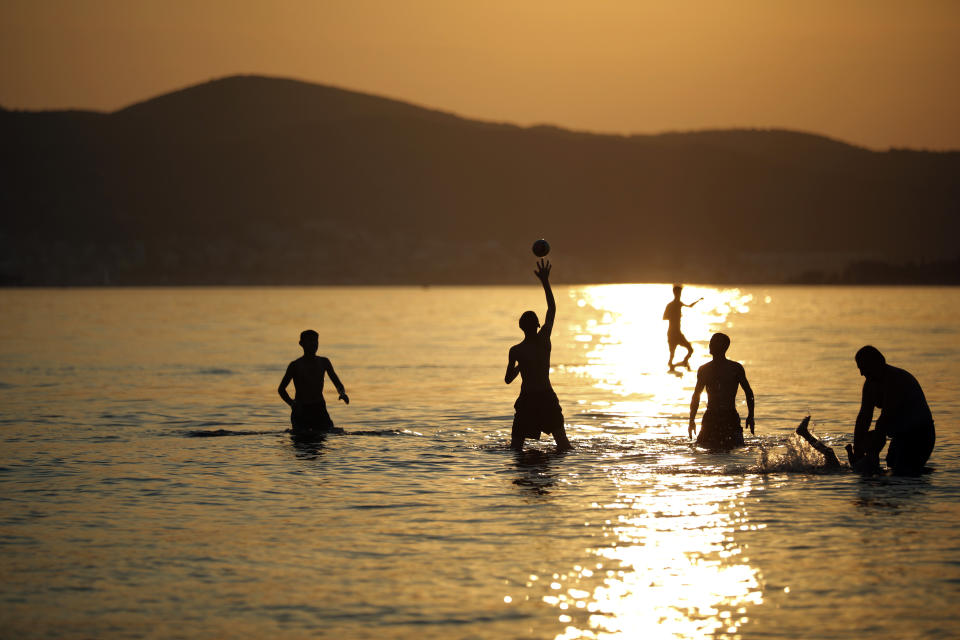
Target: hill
pixel 251 180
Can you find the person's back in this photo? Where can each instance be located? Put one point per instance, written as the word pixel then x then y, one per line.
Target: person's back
pixel 533 357
pixel 721 380
pixel 903 406
pixel 307 374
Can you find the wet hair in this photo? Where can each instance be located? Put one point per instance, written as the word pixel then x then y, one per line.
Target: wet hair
pixel 869 357
pixel 309 334
pixel 719 343
pixel 529 321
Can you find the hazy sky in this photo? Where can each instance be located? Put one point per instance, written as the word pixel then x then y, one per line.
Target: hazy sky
pixel 872 72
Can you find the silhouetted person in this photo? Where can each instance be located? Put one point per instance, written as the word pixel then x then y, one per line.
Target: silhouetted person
pixel 537 408
pixel 675 337
pixel 867 461
pixel 720 428
pixel 905 417
pixel 309 410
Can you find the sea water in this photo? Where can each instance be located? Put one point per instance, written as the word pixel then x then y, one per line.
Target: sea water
pixel 148 487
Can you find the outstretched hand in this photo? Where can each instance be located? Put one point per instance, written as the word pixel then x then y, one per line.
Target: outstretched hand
pixel 343 396
pixel 543 270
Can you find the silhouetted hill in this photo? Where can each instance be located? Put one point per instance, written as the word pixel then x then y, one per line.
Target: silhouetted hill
pixel 249 180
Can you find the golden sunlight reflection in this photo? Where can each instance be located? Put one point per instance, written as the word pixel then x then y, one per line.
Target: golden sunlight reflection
pixel 621 328
pixel 672 567
pixel 670 563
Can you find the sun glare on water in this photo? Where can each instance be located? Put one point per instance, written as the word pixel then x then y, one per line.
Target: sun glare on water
pixel 624 337
pixel 671 567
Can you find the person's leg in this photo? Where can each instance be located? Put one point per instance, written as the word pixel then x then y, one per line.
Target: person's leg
pixel 554 419
pixel 673 350
pixel 686 345
pixel 907 455
pixel 516 437
pixel 803 430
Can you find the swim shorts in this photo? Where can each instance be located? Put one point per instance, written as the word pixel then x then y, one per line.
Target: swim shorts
pixel 536 412
pixel 310 417
pixel 720 430
pixel 677 339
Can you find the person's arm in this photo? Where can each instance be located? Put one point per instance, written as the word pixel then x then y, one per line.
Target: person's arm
pixel 282 389
pixel 692 303
pixel 694 406
pixel 513 368
pixel 748 392
pixel 864 418
pixel 543 274
pixel 336 383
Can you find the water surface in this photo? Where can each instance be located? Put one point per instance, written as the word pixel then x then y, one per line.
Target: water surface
pixel 116 520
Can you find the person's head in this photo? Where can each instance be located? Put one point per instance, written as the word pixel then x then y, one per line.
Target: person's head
pixel 529 322
pixel 870 361
pixel 719 343
pixel 310 341
pixel 677 288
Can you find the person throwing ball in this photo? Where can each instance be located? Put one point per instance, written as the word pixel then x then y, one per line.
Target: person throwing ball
pixel 537 409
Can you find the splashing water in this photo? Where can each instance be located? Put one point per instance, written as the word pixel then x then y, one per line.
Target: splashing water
pixel 796 457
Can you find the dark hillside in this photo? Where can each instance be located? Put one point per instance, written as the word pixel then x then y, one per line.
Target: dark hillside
pixel 258 180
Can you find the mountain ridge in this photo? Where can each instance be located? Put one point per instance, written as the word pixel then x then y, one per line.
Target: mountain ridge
pixel 254 180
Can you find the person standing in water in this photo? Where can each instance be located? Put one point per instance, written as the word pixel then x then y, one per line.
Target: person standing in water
pixel 720 428
pixel 905 417
pixel 675 337
pixel 309 410
pixel 537 409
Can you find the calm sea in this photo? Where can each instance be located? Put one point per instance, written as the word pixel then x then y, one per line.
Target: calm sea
pixel 119 519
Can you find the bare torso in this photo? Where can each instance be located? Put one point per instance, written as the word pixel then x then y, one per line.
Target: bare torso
pixel 307 373
pixel 721 378
pixel 533 358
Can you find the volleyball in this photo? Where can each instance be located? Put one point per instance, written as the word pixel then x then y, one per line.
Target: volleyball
pixel 541 248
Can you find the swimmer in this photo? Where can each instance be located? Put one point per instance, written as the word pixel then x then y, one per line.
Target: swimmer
pixel 866 460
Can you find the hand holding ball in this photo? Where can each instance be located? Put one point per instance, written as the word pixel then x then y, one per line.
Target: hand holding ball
pixel 541 248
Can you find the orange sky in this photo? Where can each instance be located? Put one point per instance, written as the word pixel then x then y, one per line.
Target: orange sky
pixel 873 72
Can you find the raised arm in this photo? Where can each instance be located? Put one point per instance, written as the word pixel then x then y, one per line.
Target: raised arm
pixel 692 303
pixel 282 389
pixel 543 274
pixel 748 392
pixel 694 406
pixel 336 383
pixel 513 368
